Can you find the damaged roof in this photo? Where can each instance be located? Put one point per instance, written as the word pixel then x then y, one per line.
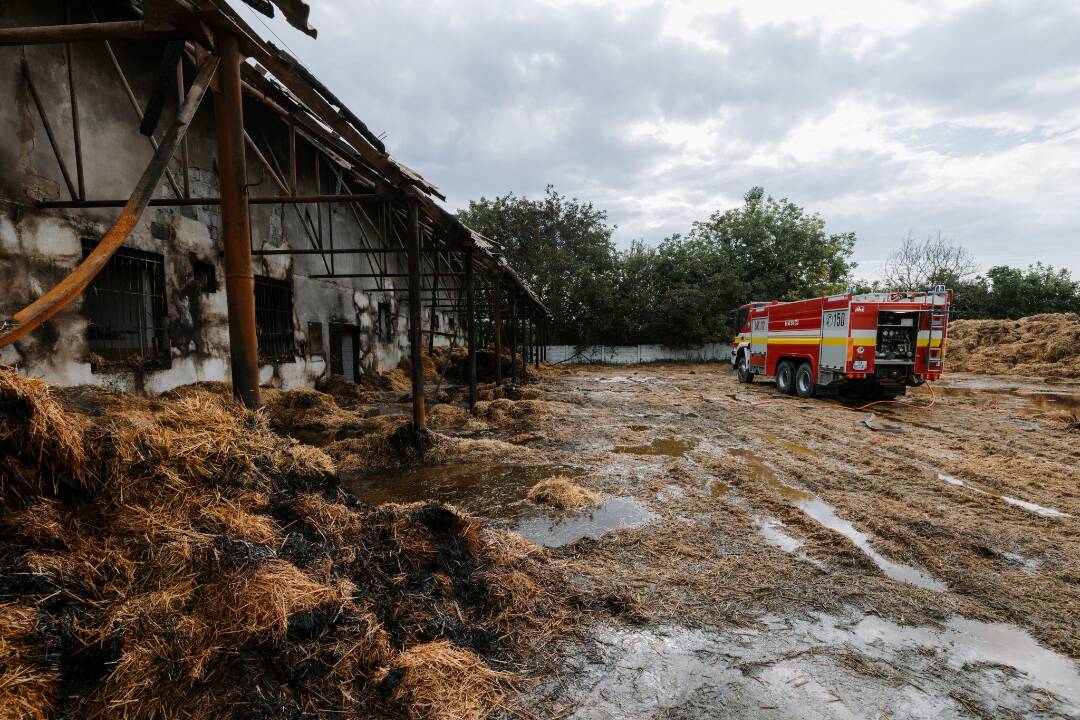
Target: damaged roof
pixel 282 83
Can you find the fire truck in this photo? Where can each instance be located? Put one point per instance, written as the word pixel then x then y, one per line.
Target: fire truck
pixel 871 344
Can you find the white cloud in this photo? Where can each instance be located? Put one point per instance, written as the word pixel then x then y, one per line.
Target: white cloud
pixel 885 117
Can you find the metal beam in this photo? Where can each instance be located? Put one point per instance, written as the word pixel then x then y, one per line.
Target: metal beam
pixel 82 32
pixel 212 201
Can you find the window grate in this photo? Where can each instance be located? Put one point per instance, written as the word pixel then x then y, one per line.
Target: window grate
pixel 204 275
pixel 125 306
pixel 315 340
pixel 274 319
pixel 386 322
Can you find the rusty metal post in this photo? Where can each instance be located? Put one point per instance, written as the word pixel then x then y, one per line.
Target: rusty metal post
pixel 74 99
pixel 543 339
pixel 235 225
pixel 498 332
pixel 415 327
pixel 470 311
pixel 434 302
pixel 513 340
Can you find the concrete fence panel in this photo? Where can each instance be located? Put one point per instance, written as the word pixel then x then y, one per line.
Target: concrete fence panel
pixel 630 354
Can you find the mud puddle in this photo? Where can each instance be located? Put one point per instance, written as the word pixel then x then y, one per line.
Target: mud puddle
pixel 658 447
pixel 1043 400
pixel 1029 506
pixel 772 530
pixel 616 513
pixel 496 491
pixel 822 667
pixel 826 516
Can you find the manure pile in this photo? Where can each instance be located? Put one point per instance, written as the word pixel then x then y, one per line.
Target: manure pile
pixel 1040 346
pixel 175 558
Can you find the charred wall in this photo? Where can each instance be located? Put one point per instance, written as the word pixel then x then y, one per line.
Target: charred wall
pixel 39 247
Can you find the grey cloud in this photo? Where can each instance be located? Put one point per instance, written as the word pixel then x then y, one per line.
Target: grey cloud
pixel 489 97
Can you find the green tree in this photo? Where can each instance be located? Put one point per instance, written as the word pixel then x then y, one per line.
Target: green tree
pixel 563 248
pixel 681 292
pixel 777 249
pixel 1007 292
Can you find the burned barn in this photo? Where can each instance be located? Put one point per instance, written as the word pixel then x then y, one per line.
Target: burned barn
pixel 182 201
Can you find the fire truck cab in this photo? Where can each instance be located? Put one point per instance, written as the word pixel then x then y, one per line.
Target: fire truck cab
pixel 874 344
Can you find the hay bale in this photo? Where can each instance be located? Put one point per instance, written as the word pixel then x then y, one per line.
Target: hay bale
pixel 1045 345
pixel 562 493
pixel 436 681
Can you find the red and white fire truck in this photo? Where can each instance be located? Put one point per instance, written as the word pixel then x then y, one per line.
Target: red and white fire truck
pixel 876 344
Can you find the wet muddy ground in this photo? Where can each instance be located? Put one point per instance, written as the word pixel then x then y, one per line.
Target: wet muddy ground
pixel 800 558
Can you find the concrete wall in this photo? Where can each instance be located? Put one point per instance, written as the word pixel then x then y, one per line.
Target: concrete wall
pixel 629 354
pixel 39 247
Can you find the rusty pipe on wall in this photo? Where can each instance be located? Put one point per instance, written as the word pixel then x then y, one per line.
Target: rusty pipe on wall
pixel 235 225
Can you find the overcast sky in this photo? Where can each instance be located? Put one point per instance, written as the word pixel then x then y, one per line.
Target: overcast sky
pixel 886 116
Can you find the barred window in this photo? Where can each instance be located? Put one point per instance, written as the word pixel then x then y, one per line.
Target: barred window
pixel 126 310
pixel 315 340
pixel 386 322
pixel 274 319
pixel 204 275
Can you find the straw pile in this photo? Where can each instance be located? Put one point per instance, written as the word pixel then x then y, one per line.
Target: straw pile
pixel 176 558
pixel 1045 346
pixel 561 492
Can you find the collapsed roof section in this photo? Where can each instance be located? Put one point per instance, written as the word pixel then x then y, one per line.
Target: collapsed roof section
pixel 284 85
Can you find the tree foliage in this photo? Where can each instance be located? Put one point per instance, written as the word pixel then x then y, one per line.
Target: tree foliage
pixel 563 248
pixel 1007 292
pixel 681 292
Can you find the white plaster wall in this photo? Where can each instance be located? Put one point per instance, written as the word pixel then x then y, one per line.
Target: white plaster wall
pixel 630 354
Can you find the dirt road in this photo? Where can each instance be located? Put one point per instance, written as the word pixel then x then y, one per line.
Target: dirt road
pixel 795 558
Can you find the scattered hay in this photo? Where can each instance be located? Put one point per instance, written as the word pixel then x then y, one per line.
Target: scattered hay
pixel 260 602
pixel 26 689
pixel 562 493
pixel 443 415
pixel 41 444
pixel 504 411
pixel 310 416
pixel 214 568
pixel 440 682
pixel 398 380
pixel 1037 346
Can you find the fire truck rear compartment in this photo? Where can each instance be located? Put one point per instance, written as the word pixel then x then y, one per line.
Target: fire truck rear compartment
pixel 897 338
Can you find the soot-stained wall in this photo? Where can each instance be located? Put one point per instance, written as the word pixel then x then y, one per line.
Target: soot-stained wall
pixel 39 247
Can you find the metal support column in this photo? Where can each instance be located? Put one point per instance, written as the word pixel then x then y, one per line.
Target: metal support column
pixel 513 341
pixel 470 300
pixel 415 327
pixel 497 321
pixel 434 302
pixel 235 226
pixel 536 343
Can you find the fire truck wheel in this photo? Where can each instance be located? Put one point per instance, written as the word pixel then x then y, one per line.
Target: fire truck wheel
pixel 785 377
pixel 804 381
pixel 742 367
